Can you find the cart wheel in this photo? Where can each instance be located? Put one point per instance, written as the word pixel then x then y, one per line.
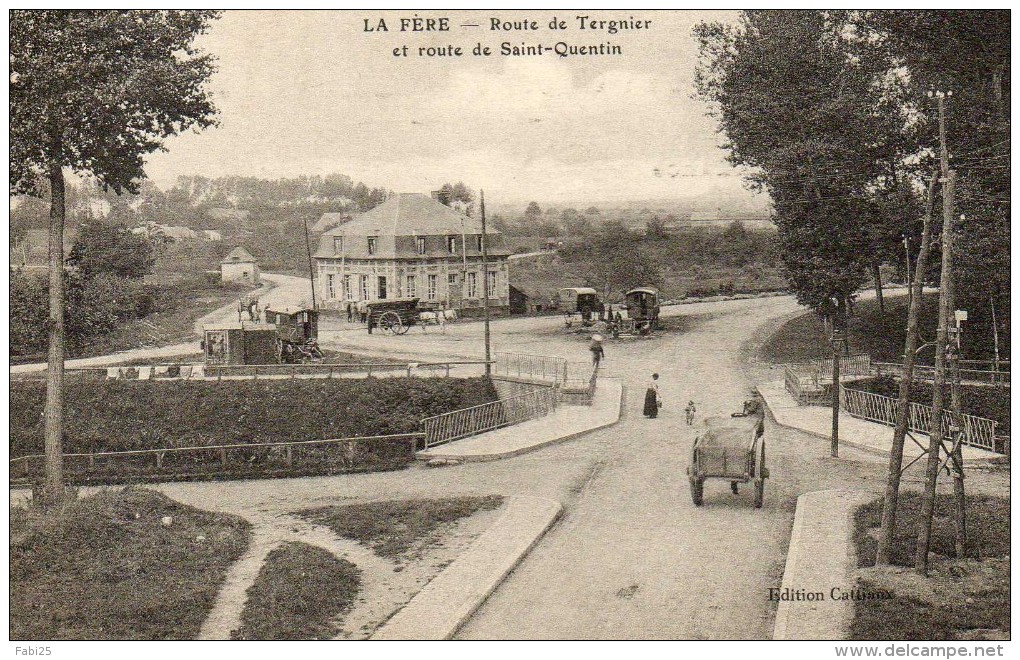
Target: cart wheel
pixel 402 329
pixel 761 471
pixel 390 322
pixel 697 491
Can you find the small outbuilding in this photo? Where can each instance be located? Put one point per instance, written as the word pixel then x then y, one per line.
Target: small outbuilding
pixel 239 266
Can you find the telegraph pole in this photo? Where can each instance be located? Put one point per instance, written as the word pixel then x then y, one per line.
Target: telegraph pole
pixel 937 434
pixel 485 287
pixel 311 270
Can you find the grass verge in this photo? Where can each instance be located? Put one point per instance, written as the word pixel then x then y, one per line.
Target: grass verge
pixel 300 593
pixel 961 599
pixel 399 527
pixel 108 568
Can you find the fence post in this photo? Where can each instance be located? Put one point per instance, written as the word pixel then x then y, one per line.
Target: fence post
pixel 289 457
pixel 223 457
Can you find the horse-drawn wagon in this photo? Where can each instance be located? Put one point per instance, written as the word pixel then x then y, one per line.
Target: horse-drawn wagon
pixel 583 301
pixel 642 305
pixel 733 449
pixel 394 315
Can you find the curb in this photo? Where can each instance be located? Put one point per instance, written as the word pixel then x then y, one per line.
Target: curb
pixel 777 415
pixel 439 610
pixel 820 561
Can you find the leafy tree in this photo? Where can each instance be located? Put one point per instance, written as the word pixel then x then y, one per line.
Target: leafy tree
pixel 533 213
pixel 93 91
pixel 805 115
pixel 612 263
pixel 108 247
pixel 655 228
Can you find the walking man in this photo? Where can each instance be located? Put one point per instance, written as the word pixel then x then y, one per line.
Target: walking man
pixel 597 352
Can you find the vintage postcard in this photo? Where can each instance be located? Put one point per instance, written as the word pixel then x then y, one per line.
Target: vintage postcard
pixel 510 325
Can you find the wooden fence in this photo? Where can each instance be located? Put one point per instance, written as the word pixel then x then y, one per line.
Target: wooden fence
pixel 976 431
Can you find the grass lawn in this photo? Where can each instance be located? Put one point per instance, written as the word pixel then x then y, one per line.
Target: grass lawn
pixel 880 335
pixel 330 357
pixel 114 415
pixel 399 527
pixel 959 597
pixel 107 567
pixel 300 593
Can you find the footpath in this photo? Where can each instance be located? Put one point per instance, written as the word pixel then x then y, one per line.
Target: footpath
pixel 566 422
pixel 853 432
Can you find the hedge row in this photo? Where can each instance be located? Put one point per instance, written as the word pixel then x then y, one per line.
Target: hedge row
pixel 121 415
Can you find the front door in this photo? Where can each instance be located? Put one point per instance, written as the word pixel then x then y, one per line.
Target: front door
pixel 382 287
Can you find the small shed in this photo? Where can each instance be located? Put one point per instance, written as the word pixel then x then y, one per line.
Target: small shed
pixel 239 266
pixel 247 342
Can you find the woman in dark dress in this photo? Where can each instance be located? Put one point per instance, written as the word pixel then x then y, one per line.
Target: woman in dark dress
pixel 652 398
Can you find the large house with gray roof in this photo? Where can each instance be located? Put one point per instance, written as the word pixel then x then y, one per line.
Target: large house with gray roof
pixel 412 246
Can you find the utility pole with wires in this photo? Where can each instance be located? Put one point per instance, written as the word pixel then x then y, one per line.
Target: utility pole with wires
pixel 944 350
pixel 311 269
pixel 485 287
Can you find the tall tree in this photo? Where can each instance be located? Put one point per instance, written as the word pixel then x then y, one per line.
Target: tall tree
pixel 804 114
pixel 92 92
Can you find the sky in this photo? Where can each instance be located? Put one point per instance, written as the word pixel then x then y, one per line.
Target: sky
pixel 314 92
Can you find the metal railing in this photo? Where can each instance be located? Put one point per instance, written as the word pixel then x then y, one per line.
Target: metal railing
pixel 488 416
pixel 976 431
pixel 269 371
pixel 256 459
pixel 802 384
pixel 927 372
pixel 536 367
pixel 852 365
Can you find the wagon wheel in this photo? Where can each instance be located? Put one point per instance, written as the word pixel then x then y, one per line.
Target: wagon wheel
pixel 759 480
pixel 697 491
pixel 391 323
pixel 403 327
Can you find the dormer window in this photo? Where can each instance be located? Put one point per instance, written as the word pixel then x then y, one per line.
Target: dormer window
pixel 451 244
pixel 420 244
pixel 373 244
pixel 338 244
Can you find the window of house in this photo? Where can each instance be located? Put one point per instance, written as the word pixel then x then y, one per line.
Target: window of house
pixel 472 285
pixel 381 287
pixel 420 244
pixel 338 244
pixel 331 285
pixel 348 291
pixel 432 284
pixel 451 279
pixel 412 286
pixel 364 287
pixel 491 284
pixel 373 244
pixel 451 244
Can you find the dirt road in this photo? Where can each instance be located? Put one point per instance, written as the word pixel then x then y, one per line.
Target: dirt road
pixel 285 290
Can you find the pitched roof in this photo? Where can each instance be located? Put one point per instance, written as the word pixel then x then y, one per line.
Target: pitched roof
pixel 330 220
pixel 405 214
pixel 237 255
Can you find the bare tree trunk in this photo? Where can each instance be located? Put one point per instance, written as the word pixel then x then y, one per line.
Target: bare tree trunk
pixel 892 489
pixel 53 491
pixel 876 272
